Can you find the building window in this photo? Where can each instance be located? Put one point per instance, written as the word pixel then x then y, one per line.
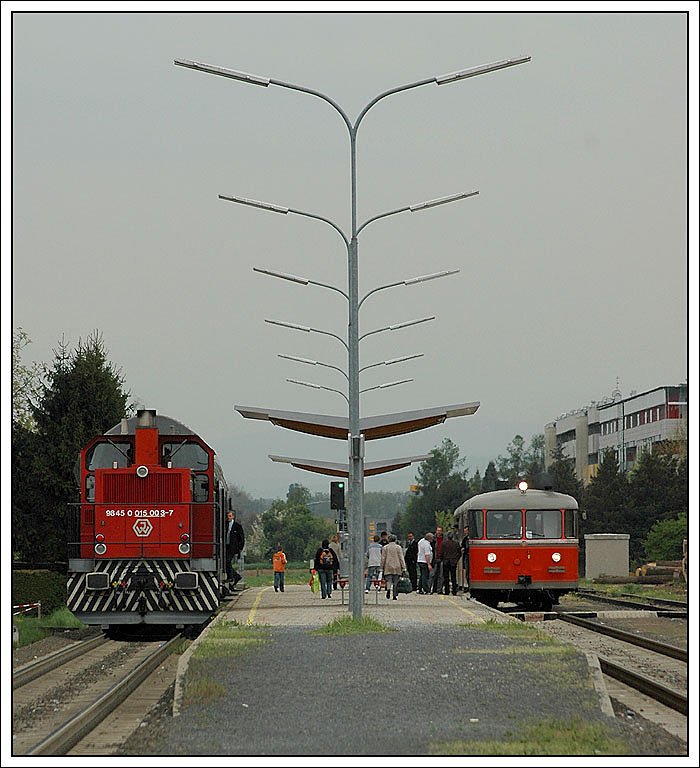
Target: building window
pixel 631 454
pixel 609 427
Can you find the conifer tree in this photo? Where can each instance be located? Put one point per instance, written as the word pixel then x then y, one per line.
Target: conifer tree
pixel 82 396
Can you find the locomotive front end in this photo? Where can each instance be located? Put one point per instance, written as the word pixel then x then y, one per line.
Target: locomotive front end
pixel 149 517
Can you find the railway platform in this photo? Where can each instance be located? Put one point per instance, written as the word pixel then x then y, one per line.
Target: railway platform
pixel 446 673
pixel 298 606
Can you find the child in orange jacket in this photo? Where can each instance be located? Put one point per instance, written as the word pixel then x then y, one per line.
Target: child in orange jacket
pixel 279 561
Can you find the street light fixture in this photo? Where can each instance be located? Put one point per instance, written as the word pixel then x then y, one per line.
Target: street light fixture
pixel 318 386
pixel 388 384
pixel 300 280
pixel 355 467
pixel 397 326
pixel 392 362
pixel 307 329
pixel 314 362
pixel 364 367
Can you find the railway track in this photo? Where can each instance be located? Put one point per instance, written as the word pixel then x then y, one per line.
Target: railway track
pixel 648 676
pixel 60 699
pixel 663 607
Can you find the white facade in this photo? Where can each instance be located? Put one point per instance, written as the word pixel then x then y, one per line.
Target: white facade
pixel 626 425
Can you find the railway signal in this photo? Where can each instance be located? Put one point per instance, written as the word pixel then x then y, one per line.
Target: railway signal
pixel 337 495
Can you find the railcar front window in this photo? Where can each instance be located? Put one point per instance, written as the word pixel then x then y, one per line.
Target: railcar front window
pixel 503 525
pixel 543 524
pixel 476 524
pixel 570 524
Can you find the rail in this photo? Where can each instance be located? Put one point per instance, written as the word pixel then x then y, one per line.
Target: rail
pixel 68 735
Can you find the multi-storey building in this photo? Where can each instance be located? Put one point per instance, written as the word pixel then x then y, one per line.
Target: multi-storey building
pixel 627 425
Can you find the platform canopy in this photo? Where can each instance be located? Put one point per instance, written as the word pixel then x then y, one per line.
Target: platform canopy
pixel 343 470
pixel 372 427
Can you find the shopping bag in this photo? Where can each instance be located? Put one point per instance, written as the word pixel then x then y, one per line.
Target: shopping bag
pixel 404 585
pixel 314 582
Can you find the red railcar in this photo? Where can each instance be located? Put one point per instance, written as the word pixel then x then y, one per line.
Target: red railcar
pixel 148 545
pixel 523 546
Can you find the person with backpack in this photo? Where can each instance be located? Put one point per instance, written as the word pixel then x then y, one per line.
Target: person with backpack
pixel 279 562
pixel 325 563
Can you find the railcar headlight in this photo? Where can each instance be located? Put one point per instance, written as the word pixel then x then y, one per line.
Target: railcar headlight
pixel 184 548
pixel 556 557
pixel 142 471
pixel 100 548
pixel 100 537
pixel 522 486
pixel 491 557
pixel 185 537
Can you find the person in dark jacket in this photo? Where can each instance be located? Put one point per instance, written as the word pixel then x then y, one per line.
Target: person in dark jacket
pixel 234 540
pixel 450 554
pixel 411 557
pixel 436 575
pixel 326 564
pixel 465 558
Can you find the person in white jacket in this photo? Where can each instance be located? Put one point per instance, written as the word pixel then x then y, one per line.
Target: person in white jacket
pixel 393 565
pixel 425 562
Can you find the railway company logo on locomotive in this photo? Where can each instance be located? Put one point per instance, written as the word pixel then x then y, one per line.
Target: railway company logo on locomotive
pixel 143 528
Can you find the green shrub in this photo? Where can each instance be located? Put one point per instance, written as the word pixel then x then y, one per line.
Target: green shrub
pixel 665 539
pixel 45 587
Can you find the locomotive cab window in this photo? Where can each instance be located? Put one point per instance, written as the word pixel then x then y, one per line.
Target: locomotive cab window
pixel 543 524
pixel 106 455
pixel 200 488
pixel 185 455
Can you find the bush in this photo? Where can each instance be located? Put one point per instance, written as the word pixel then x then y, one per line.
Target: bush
pixel 45 587
pixel 665 539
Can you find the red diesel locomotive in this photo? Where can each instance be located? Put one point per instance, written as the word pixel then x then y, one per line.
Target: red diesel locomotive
pixel 523 546
pixel 148 531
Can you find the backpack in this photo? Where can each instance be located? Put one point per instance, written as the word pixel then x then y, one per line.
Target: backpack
pixel 325 559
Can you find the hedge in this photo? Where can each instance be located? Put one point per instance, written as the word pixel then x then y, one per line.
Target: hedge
pixel 45 587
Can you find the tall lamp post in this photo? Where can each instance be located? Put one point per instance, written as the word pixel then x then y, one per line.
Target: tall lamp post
pixel 356 458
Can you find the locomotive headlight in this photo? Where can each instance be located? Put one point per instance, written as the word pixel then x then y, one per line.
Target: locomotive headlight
pixel 184 548
pixel 100 548
pixel 522 486
pixel 556 557
pixel 142 471
pixel 491 557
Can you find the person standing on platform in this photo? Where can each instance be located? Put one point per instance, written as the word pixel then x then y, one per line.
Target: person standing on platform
pixel 374 562
pixel 436 574
pixel 393 565
pixel 451 552
pixel 411 557
pixel 234 540
pixel 425 559
pixel 325 564
pixel 334 544
pixel 279 563
pixel 465 559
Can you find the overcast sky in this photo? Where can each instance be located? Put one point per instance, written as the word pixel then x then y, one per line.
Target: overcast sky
pixel 573 258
